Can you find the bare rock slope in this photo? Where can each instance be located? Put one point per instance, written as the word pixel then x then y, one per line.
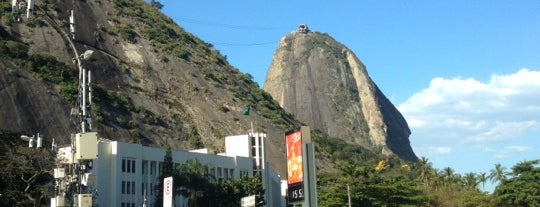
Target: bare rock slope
pixel 325 85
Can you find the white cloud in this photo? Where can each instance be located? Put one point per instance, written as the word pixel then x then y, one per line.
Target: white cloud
pixel 470 111
pixel 428 150
pixel 518 149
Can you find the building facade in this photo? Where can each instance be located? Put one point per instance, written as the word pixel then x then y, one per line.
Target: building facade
pixel 126 174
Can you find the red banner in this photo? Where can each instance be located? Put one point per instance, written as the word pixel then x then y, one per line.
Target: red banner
pixel 295 171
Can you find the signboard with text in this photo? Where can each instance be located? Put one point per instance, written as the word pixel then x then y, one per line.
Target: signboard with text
pixel 248 201
pixel 295 171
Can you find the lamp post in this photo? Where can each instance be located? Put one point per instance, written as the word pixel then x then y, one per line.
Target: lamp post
pixel 32 139
pixel 84 81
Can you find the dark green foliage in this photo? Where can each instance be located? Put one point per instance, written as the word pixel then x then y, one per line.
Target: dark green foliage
pixel 69 90
pixel 161 33
pixel 26 177
pixel 113 100
pixel 195 138
pixel 168 170
pixel 156 4
pixel 44 66
pixel 127 33
pixel 47 68
pixel 13 49
pixel 203 190
pixel 35 22
pixel 522 188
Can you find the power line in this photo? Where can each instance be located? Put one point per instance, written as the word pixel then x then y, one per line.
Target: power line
pixel 243 44
pixel 230 26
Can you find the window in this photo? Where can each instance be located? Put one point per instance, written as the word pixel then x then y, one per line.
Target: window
pixel 123 165
pixel 144 166
pixel 128 189
pixel 133 166
pixel 132 187
pixel 123 187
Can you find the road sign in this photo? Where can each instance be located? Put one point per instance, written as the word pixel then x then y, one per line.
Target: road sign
pixel 168 192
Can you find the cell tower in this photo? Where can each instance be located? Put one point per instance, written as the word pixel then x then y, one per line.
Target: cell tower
pixel 73 176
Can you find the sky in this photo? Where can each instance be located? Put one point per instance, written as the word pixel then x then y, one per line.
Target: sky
pixel 465 74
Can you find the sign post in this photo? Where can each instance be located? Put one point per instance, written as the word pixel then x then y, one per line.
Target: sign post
pixel 168 192
pixel 301 178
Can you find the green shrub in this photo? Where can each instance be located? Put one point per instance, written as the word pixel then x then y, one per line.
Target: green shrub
pixel 127 33
pixel 47 68
pixel 13 49
pixel 69 91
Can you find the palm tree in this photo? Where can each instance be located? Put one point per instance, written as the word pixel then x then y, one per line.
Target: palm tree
pixel 435 177
pixel 424 166
pixel 448 173
pixel 482 178
pixel 470 180
pixel 497 174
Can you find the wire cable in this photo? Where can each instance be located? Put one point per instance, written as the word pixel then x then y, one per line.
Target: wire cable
pixel 243 44
pixel 230 26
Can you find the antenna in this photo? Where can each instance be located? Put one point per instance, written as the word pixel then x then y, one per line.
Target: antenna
pixel 39 143
pixel 29 8
pixel 72 23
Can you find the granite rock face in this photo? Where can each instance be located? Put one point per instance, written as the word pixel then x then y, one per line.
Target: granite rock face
pixel 326 86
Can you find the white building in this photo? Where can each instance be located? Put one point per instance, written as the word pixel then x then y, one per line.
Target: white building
pixel 252 145
pixel 126 174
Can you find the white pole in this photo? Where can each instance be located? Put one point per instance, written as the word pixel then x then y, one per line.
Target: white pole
pixel 83 104
pixel 349 194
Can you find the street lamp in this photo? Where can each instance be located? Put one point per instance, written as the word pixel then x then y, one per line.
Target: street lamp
pixel 31 139
pixel 84 81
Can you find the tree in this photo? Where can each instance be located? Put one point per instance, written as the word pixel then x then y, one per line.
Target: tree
pixel 168 170
pixel 26 173
pixel 424 166
pixel 156 4
pixel 482 178
pixel 194 183
pixel 448 174
pixel 203 190
pixel 522 189
pixel 470 180
pixel 497 174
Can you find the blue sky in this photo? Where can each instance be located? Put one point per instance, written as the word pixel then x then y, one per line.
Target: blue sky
pixel 465 74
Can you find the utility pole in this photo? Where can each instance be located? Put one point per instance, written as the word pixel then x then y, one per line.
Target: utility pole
pixel 349 194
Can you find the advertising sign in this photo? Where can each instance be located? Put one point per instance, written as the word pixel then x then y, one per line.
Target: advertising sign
pixel 295 171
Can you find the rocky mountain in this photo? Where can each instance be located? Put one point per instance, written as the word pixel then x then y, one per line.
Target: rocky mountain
pixel 152 82
pixel 326 86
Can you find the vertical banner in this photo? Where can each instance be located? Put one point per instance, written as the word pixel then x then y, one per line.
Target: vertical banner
pixel 168 192
pixel 295 171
